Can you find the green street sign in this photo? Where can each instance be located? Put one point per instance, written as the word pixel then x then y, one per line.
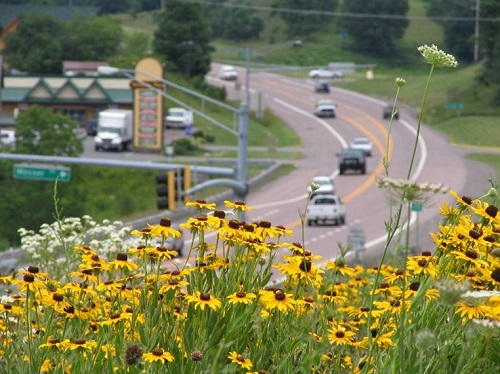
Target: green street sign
pixel 416 207
pixel 453 106
pixel 41 172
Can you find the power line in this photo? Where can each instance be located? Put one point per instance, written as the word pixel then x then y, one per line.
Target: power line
pixel 340 14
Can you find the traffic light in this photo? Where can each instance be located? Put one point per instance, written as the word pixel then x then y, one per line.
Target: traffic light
pixel 166 190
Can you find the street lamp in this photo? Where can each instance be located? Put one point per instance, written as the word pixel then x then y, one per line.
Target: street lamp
pixel 240 183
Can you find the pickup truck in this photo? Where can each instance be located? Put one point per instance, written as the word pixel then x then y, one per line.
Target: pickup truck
pixel 324 208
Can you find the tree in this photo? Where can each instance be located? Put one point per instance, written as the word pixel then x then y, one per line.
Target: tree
pixel 96 38
pixel 299 23
pixel 36 45
pixel 458 34
pixel 374 35
pixel 40 131
pixel 490 45
pixel 183 39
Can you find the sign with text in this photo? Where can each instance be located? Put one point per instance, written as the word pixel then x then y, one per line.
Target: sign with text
pixel 41 172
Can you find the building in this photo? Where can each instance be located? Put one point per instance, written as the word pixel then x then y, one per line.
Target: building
pixel 79 97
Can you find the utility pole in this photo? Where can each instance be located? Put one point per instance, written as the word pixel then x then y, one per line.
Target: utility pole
pixel 476 31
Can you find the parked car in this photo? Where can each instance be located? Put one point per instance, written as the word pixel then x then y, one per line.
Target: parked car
pixel 387 112
pixel 325 73
pixel 363 144
pixel 325 108
pixel 322 87
pixel 325 184
pixel 324 208
pixel 352 159
pixel 228 73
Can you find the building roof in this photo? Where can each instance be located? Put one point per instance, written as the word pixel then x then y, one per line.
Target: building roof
pixel 65 13
pixel 82 66
pixel 65 89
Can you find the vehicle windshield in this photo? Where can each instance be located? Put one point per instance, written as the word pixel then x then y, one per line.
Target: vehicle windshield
pixel 175 113
pixel 323 182
pixel 361 141
pixel 112 130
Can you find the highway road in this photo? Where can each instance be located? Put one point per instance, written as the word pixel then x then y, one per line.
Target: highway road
pixel 357 115
pixel 282 200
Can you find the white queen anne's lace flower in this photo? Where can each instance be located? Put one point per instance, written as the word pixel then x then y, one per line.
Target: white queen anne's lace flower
pixel 436 57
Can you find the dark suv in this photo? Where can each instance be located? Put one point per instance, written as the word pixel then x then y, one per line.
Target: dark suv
pixel 322 87
pixel 352 159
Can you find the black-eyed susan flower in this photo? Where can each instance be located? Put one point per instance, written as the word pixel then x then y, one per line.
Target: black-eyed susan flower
pixel 203 299
pixel 237 206
pixel 52 343
pixel 158 355
pixel 277 299
pixel 266 230
pixel 55 300
pixel 164 229
pixel 201 205
pixel 231 230
pixel 238 359
pixel 79 344
pixel 202 223
pixel 28 282
pixel 340 266
pixel 122 262
pixel 472 308
pixel 241 297
pixel 339 334
pixel 421 265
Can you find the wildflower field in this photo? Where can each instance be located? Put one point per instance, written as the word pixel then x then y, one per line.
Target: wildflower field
pixel 102 298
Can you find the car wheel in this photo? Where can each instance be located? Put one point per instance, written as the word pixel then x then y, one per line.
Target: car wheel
pixel 342 220
pixel 97 148
pixel 363 169
pixel 309 222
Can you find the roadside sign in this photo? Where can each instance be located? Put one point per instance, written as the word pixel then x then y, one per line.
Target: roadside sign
pixel 454 106
pixel 356 239
pixel 41 172
pixel 416 206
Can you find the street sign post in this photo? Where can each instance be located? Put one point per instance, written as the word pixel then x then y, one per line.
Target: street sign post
pixel 41 172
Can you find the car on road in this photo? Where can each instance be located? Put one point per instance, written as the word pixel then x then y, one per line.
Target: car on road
pixel 325 108
pixel 325 73
pixel 363 144
pixel 387 112
pixel 352 159
pixel 322 87
pixel 325 208
pixel 228 73
pixel 325 184
pixel 178 118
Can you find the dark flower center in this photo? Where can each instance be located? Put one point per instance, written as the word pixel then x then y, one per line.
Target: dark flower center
pixel 29 278
pixel 426 253
pixel 491 210
pixel 33 269
pixel 265 224
pixel 94 257
pixel 234 224
pixel 364 309
pixel 239 203
pixel 384 285
pixel 157 352
pixel 121 257
pixel 57 297
pixel 219 214
pixel 241 294
pixel 475 234
pixel 80 341
pixel 415 286
pixel 495 274
pixel 54 341
pixel 240 358
pixel 202 217
pixel 467 200
pixel 279 295
pixel 248 227
pixel 305 266
pixel 205 296
pixel 165 222
pixel 470 253
pixel 422 263
pixel 339 334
